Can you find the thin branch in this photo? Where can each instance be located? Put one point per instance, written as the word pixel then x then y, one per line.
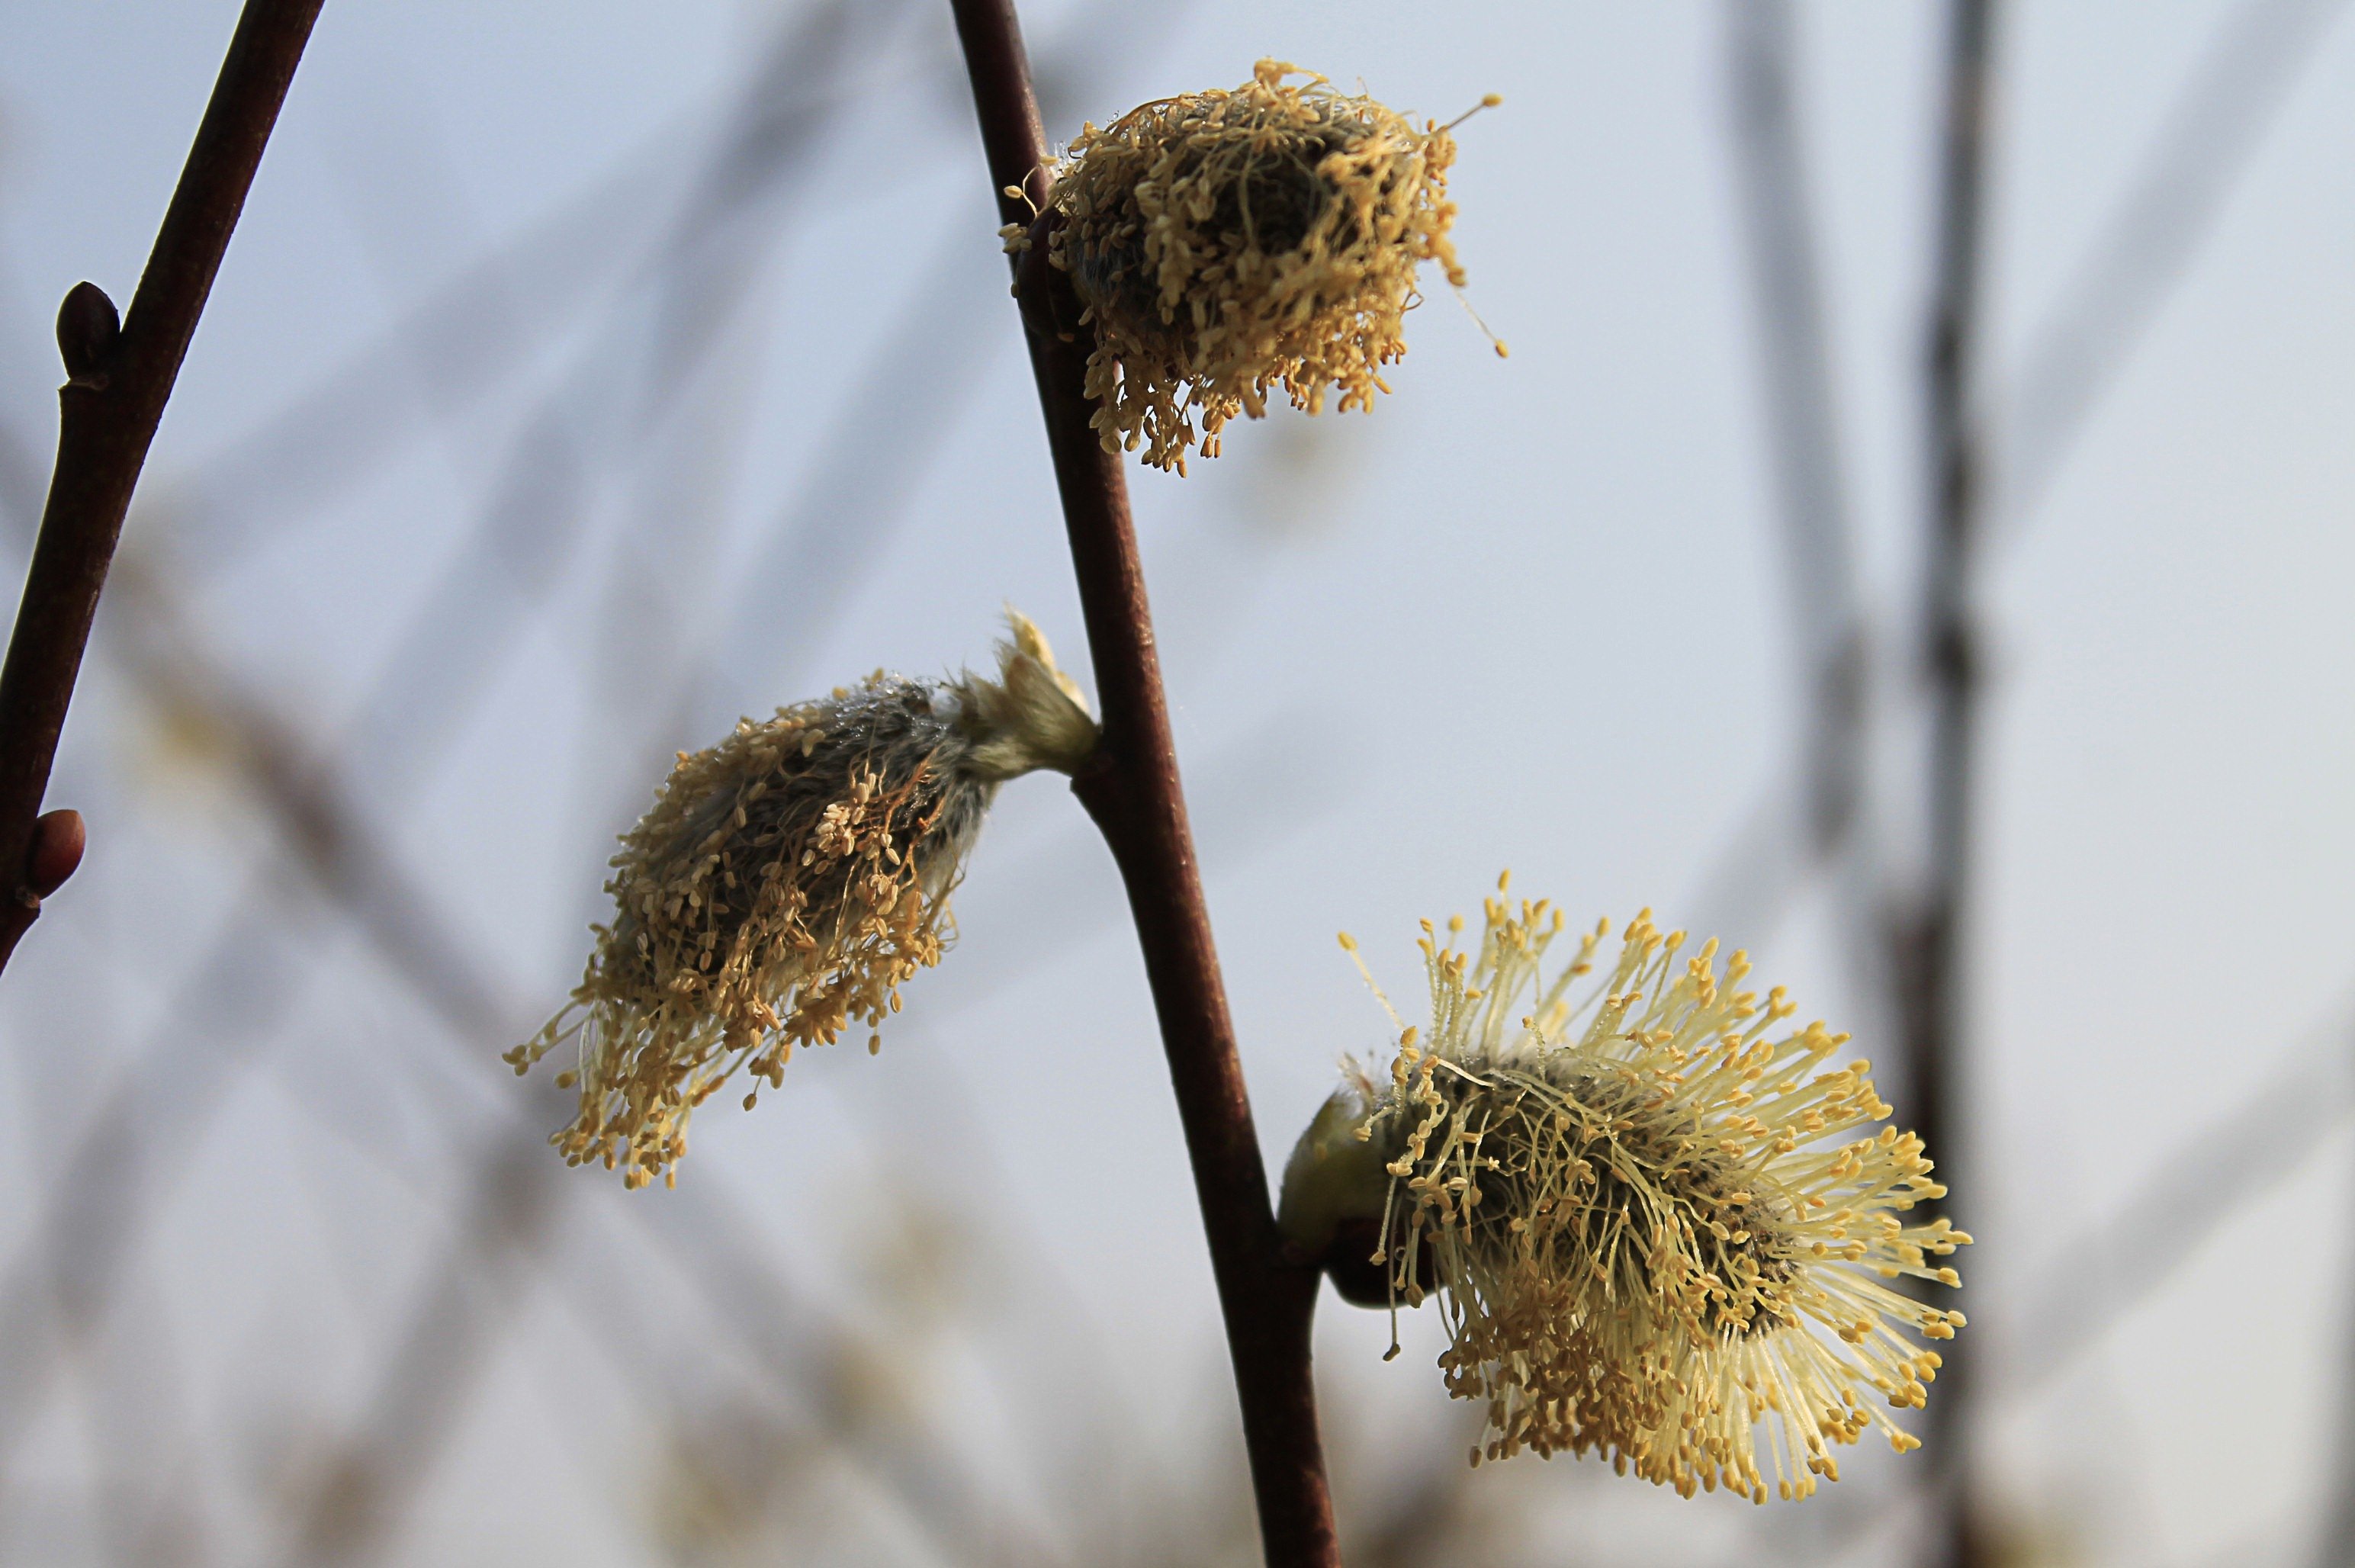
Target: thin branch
pixel 1132 791
pixel 1926 933
pixel 118 378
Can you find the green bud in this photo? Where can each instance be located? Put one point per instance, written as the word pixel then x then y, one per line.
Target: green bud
pixel 1335 1185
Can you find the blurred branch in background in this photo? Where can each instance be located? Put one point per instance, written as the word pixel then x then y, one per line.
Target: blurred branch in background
pixel 1819 818
pixel 2116 291
pixel 1801 415
pixel 469 619
pixel 2334 1540
pixel 844 514
pixel 150 1118
pixel 488 323
pixel 2117 288
pixel 372 1478
pixel 1927 927
pixel 2109 1268
pixel 518 544
pixel 152 1512
pixel 1423 1522
pixel 119 375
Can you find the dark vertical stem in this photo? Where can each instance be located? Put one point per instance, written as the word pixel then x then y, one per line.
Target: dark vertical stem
pixel 1930 992
pixel 118 379
pixel 1132 791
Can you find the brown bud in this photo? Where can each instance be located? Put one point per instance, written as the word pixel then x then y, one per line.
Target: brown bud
pixel 88 329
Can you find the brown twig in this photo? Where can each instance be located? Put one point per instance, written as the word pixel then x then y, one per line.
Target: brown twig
pixel 1132 791
pixel 119 376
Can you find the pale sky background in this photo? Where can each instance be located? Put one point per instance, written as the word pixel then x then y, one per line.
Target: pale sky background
pixel 1530 612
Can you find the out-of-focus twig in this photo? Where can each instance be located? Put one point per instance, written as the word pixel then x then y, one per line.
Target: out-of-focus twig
pixel 1926 930
pixel 2100 1273
pixel 369 1483
pixel 1815 821
pixel 64 1273
pixel 119 376
pixel 80 1243
pixel 506 565
pixel 2210 132
pixel 1802 426
pixel 1132 790
pixel 2114 293
pixel 2109 1268
pixel 2335 1545
pixel 470 336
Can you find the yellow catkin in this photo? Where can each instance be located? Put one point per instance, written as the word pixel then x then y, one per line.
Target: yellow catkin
pixel 1228 243
pixel 1653 1220
pixel 785 884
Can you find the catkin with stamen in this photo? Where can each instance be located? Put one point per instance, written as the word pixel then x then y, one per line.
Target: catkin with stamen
pixel 785 884
pixel 1225 244
pixel 1657 1222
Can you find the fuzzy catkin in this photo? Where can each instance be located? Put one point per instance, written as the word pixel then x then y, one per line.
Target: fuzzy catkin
pixel 1652 1219
pixel 1225 244
pixel 785 884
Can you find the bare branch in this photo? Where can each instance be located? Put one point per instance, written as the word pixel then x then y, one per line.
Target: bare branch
pixel 1132 792
pixel 117 383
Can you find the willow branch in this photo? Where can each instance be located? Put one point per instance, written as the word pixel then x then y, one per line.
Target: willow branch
pixel 119 376
pixel 1132 791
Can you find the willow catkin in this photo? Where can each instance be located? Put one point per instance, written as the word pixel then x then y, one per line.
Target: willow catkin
pixel 1652 1216
pixel 785 884
pixel 1225 244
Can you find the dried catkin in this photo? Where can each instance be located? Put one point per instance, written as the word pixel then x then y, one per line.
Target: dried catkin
pixel 1227 243
pixel 785 884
